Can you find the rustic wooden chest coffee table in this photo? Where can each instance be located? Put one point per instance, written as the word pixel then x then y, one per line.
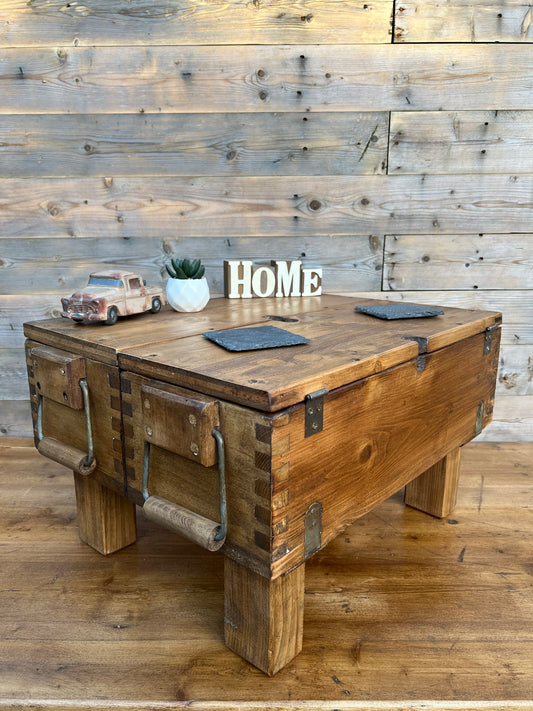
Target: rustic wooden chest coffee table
pixel 266 455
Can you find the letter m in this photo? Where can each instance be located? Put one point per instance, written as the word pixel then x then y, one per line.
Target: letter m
pixel 287 278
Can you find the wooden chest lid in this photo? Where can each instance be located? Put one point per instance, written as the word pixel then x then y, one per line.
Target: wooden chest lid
pixel 345 346
pixel 104 343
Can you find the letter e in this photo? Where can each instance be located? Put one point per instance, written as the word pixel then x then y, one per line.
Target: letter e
pixel 311 282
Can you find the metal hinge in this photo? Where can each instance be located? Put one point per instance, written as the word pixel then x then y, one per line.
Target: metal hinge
pixel 488 339
pixel 314 412
pixel 313 529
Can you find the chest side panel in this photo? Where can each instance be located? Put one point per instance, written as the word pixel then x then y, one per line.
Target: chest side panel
pixel 378 434
pixel 178 477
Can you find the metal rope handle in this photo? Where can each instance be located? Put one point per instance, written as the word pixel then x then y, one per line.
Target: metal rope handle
pixel 81 462
pixel 206 533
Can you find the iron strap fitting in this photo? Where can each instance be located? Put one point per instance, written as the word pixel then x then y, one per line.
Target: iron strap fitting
pixel 313 529
pixel 314 412
pixel 487 347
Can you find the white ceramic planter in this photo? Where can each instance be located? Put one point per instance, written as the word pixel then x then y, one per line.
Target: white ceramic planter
pixel 187 294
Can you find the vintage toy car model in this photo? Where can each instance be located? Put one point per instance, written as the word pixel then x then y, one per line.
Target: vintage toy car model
pixel 110 294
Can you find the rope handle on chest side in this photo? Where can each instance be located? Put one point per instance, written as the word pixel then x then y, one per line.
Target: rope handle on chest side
pixel 206 533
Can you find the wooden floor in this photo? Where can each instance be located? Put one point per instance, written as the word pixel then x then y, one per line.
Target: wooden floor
pixel 402 612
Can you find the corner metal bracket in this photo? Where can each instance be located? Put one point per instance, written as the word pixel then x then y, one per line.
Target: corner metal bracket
pixel 314 412
pixel 313 529
pixel 479 418
pixel 487 347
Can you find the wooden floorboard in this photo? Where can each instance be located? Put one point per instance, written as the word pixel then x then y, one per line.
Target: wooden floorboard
pixel 402 611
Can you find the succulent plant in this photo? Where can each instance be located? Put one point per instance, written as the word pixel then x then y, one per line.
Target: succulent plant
pixel 185 269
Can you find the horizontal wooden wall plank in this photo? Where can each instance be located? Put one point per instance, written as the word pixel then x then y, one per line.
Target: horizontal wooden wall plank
pixel 461 142
pixel 515 372
pixel 48 265
pixel 516 307
pixel 488 261
pixel 15 418
pixel 266 78
pixel 339 143
pixel 13 376
pixel 16 310
pixel 463 21
pixel 268 206
pixel 112 22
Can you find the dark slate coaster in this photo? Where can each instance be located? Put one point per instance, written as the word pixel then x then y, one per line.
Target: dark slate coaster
pixel 253 339
pixel 394 311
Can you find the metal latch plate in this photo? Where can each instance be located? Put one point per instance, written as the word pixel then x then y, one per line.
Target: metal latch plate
pixel 479 418
pixel 314 412
pixel 313 529
pixel 488 339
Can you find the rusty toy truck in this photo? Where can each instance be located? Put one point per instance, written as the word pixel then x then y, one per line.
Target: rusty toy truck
pixel 110 294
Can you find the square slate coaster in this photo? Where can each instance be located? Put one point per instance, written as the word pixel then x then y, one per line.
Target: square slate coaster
pixel 394 311
pixel 253 339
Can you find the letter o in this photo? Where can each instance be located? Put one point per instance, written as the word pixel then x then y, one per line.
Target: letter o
pixel 257 279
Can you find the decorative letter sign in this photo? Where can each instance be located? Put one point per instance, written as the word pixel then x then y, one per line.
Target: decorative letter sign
pixel 242 281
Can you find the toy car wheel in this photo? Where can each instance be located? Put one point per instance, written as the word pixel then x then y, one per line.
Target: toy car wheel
pixel 156 305
pixel 112 316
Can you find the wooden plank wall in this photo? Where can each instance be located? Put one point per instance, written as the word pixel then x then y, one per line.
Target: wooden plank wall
pixel 389 142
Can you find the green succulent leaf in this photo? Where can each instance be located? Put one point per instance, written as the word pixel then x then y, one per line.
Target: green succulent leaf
pixel 195 267
pixel 171 272
pixel 185 269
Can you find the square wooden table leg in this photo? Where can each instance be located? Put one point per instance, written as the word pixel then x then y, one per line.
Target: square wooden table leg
pixel 106 520
pixel 435 491
pixel 263 619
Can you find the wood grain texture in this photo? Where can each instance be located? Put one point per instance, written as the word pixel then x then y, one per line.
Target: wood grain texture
pixel 157 102
pixel 435 491
pixel 344 347
pixel 403 610
pixel 13 374
pixel 191 144
pixel 512 421
pixel 263 619
pixel 15 419
pixel 254 78
pixel 196 487
pixel 396 438
pixel 463 21
pixel 67 427
pixel 296 207
pixel 493 261
pixel 103 22
pixel 104 344
pixel 514 378
pixel 516 306
pixel 106 520
pixel 461 141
